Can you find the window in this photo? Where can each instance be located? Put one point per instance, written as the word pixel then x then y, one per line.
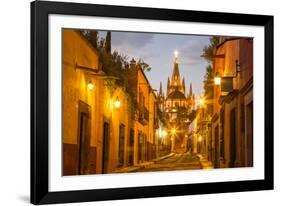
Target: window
pixel 249 135
pixel 131 148
pixel 140 145
pixel 216 148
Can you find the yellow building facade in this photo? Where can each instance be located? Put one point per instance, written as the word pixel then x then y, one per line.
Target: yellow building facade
pixel 145 116
pixel 96 112
pixel 104 128
pixel 232 122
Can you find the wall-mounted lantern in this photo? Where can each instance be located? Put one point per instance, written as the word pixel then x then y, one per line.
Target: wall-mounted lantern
pixel 217 79
pixel 90 85
pixel 117 103
pixel 162 133
pixel 226 82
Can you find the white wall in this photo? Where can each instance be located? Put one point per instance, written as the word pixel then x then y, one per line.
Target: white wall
pixel 14 102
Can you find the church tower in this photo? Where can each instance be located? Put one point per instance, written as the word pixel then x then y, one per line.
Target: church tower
pixel 161 98
pixel 176 73
pixel 160 90
pixel 183 86
pixel 168 86
pixel 176 84
pixel 191 98
pixel 190 90
pixel 178 104
pixel 175 95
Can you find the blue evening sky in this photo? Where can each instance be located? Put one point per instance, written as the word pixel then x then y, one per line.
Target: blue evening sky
pixel 158 51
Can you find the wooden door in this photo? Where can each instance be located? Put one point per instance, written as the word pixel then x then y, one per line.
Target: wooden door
pixel 83 137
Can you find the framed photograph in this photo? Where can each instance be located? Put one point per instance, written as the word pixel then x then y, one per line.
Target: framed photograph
pixel 131 102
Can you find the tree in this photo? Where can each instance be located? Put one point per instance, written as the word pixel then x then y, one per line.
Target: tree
pixel 145 67
pixel 209 87
pixel 94 38
pixel 101 43
pixel 113 64
pixel 91 36
pixel 208 77
pixel 208 50
pixel 108 42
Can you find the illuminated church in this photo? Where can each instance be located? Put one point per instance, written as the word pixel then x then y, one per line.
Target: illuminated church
pixel 176 96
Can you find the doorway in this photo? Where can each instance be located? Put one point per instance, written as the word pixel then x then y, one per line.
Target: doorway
pixel 83 137
pixel 131 148
pixel 105 154
pixel 232 145
pixel 216 150
pixel 140 146
pixel 121 145
pixel 249 140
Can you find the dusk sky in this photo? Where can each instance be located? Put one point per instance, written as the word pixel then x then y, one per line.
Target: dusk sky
pixel 158 51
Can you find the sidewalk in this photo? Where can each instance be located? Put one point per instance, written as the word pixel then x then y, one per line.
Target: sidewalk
pixel 206 164
pixel 141 165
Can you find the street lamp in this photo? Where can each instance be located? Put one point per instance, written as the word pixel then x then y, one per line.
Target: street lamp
pixel 90 85
pixel 117 103
pixel 162 133
pixel 174 131
pixel 217 79
pixel 201 101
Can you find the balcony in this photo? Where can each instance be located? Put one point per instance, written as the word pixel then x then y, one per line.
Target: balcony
pixel 143 116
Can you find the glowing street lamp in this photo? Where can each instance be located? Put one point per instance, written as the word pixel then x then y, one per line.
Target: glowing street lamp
pixel 90 85
pixel 117 103
pixel 162 133
pixel 217 79
pixel 174 131
pixel 201 102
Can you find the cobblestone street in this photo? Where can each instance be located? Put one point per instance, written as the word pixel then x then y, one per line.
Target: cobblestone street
pixel 176 162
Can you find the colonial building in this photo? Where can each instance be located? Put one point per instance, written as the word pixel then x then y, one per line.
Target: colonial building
pixel 96 112
pixel 163 143
pixel 105 128
pixel 232 121
pixel 145 114
pixel 200 132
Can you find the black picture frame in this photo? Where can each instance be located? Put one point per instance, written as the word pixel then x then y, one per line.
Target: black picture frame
pixel 39 102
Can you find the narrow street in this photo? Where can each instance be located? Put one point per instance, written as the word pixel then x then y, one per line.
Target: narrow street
pixel 182 161
pixel 118 117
